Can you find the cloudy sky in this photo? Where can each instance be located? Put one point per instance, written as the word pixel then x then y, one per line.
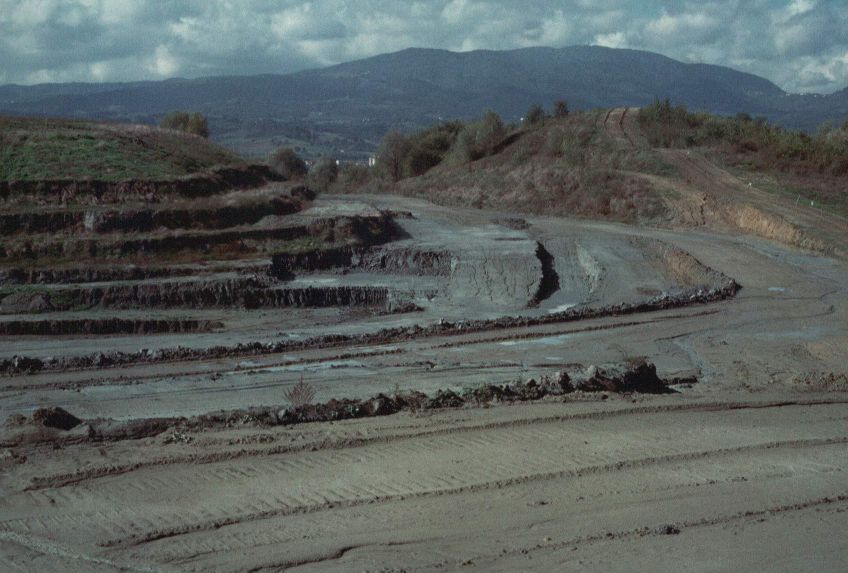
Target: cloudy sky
pixel 801 45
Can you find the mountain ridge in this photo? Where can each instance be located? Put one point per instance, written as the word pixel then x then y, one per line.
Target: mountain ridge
pixel 345 108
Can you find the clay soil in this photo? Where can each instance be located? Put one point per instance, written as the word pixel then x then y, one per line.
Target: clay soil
pixel 443 434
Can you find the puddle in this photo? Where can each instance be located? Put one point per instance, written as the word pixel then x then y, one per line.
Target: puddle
pixel 333 364
pixel 777 289
pixel 562 308
pixel 546 341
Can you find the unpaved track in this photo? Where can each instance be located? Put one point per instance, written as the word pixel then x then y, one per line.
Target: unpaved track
pixel 713 196
pixel 499 487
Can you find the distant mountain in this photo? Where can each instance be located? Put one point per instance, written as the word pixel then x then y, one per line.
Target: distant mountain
pixel 346 108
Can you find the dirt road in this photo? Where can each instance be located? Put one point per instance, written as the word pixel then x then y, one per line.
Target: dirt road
pixel 601 485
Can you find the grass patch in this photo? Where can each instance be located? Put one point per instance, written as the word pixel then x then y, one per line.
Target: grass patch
pixel 49 149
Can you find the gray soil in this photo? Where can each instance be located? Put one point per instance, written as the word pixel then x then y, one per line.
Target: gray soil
pixel 741 467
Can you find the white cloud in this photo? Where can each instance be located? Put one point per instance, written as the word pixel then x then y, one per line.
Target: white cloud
pixel 611 40
pixel 163 63
pixel 796 43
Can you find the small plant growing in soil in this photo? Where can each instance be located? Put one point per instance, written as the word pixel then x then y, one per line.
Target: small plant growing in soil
pixel 301 394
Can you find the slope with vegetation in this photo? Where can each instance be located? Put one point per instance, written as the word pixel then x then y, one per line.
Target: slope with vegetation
pixel 565 164
pixel 660 166
pixel 813 168
pixel 57 149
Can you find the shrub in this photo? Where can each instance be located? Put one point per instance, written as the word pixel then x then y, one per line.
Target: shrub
pixel 560 109
pixel 479 139
pixel 392 153
pixel 401 156
pixel 194 123
pixel 323 174
pixel 535 115
pixel 766 145
pixel 353 176
pixel 429 147
pixel 301 394
pixel 288 164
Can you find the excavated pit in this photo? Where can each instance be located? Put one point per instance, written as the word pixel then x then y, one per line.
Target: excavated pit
pixel 364 278
pixel 389 260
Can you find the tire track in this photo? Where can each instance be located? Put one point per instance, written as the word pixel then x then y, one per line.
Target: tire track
pixel 345 444
pixel 231 518
pixel 653 529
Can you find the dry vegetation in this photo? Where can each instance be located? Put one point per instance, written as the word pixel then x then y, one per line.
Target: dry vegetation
pixel 801 166
pixel 564 165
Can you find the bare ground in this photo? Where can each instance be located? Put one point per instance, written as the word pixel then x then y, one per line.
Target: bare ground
pixel 743 469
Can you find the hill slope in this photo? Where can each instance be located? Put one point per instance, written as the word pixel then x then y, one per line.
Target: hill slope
pixel 37 149
pixel 346 108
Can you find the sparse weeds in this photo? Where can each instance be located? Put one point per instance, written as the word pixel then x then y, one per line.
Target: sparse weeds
pixel 301 394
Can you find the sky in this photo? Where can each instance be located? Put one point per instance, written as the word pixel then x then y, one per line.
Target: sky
pixel 801 45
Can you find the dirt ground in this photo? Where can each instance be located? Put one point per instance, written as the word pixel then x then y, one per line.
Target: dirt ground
pixel 743 467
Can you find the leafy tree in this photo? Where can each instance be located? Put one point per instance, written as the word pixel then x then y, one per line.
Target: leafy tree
pixel 194 123
pixel 392 154
pixel 561 108
pixel 353 176
pixel 479 139
pixel 323 174
pixel 287 163
pixel 429 147
pixel 535 115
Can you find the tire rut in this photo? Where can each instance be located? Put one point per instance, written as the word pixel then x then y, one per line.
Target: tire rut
pixel 322 503
pixel 344 445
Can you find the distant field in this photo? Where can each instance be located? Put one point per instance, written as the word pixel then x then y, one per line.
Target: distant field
pixel 33 149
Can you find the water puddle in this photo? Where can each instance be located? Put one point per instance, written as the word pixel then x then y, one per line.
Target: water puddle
pixel 562 308
pixel 332 364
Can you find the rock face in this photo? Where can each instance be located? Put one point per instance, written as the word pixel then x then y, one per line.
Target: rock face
pixel 17 276
pixel 242 292
pixel 393 260
pixel 93 326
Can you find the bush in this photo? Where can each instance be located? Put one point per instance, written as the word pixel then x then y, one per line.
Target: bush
pixel 392 153
pixel 288 164
pixel 767 145
pixel 429 147
pixel 299 395
pixel 353 176
pixel 479 139
pixel 193 123
pixel 401 156
pixel 560 109
pixel 535 115
pixel 323 174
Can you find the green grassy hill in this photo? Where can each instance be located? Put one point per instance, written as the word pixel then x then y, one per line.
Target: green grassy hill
pixel 35 149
